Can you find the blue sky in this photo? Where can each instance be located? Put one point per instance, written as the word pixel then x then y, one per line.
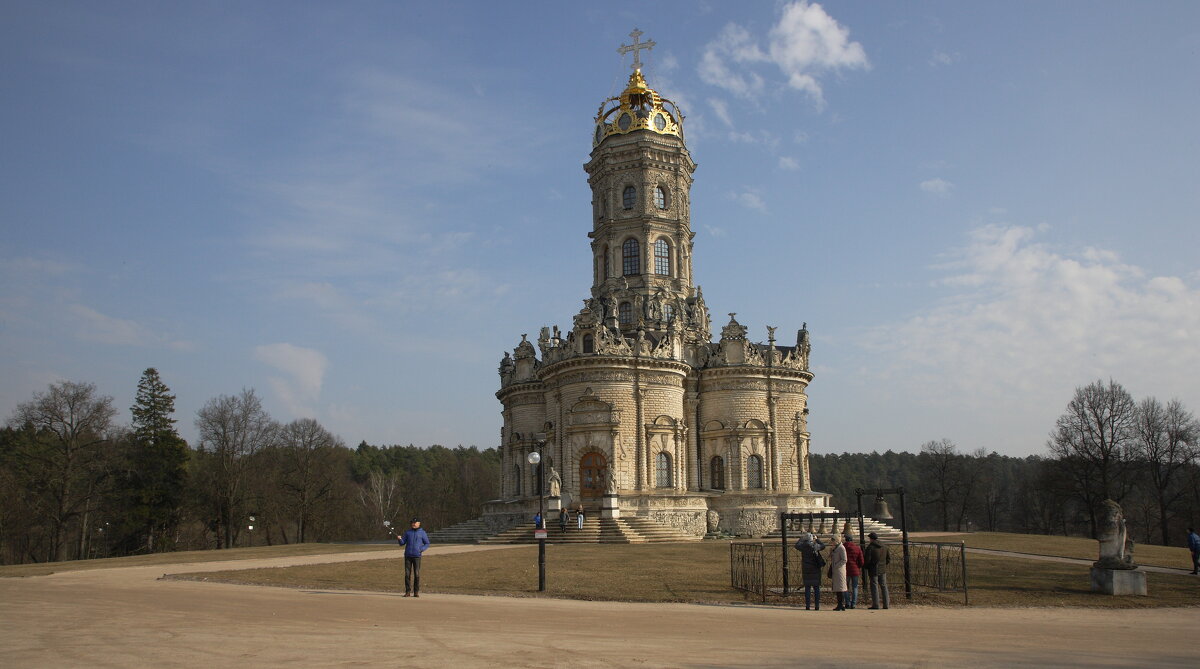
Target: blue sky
pixel 356 208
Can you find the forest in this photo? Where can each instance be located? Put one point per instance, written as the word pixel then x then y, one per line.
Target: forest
pixel 75 483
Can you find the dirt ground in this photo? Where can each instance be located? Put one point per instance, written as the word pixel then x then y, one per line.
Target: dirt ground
pixel 127 617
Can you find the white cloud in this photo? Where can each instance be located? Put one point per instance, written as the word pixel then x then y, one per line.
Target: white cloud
pixel 750 199
pixel 936 186
pixel 788 163
pixel 91 325
pixel 805 44
pixel 1023 324
pixel 735 45
pixel 305 373
pixel 721 109
pixel 942 58
pixel 715 231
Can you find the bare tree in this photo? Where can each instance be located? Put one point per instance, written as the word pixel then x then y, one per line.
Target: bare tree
pixel 1165 443
pixel 381 497
pixel 308 472
pixel 942 482
pixel 1093 439
pixel 65 430
pixel 232 429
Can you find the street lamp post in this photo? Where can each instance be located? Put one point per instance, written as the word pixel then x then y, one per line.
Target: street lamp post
pixel 535 458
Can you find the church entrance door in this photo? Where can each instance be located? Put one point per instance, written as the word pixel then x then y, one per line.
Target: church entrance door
pixel 593 473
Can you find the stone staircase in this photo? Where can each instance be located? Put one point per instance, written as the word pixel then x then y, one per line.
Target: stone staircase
pixel 468 532
pixel 631 530
pixel 886 532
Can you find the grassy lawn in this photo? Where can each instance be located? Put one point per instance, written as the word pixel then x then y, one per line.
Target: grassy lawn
pixel 1073 547
pixel 697 572
pixel 181 557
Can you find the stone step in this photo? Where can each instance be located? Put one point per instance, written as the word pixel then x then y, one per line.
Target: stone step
pixel 631 530
pixel 885 532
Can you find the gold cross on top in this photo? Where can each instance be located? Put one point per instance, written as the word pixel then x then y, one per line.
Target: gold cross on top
pixel 636 48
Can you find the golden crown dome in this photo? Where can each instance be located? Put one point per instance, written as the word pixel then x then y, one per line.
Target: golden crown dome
pixel 639 107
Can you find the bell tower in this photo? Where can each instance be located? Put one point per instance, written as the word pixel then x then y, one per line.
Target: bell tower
pixel 640 174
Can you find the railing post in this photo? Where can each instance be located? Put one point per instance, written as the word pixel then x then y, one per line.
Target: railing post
pixel 762 571
pixel 941 577
pixel 963 548
pixel 783 518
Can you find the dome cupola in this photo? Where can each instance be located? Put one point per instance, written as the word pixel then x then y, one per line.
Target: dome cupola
pixel 639 107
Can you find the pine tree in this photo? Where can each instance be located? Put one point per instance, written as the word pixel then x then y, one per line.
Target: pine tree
pixel 156 467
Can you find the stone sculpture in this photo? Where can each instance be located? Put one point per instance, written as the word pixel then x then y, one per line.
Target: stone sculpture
pixel 1116 548
pixel 555 483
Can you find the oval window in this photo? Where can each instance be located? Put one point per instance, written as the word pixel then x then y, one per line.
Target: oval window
pixel 659 122
pixel 624 122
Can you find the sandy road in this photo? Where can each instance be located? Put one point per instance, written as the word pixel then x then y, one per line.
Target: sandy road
pixel 126 617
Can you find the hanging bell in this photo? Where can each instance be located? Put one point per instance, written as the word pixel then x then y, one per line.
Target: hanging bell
pixel 881 509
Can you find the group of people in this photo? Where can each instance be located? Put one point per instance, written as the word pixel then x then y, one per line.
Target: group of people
pixel 564 519
pixel 845 565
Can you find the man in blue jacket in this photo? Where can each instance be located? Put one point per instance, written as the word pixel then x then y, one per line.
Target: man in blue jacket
pixel 415 541
pixel 1194 547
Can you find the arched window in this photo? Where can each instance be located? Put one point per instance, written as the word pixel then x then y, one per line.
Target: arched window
pixel 604 261
pixel 669 313
pixel 630 257
pixel 629 197
pixel 662 257
pixel 516 480
pixel 754 474
pixel 625 313
pixel 662 470
pixel 589 343
pixel 660 197
pixel 717 467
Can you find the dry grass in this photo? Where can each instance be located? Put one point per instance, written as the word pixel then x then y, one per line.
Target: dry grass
pixel 1072 547
pixel 696 572
pixel 183 557
pixel 645 573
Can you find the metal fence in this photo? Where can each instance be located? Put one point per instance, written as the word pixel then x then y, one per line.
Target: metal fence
pixel 757 568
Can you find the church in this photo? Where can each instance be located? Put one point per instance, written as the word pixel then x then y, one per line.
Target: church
pixel 633 409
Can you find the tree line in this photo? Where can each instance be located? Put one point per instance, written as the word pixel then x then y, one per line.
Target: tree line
pixel 1145 455
pixel 75 483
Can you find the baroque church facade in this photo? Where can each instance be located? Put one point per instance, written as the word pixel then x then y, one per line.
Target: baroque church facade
pixel 635 401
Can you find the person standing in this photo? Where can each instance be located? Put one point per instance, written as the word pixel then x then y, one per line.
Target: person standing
pixel 1194 547
pixel 563 519
pixel 415 541
pixel 811 563
pixel 537 521
pixel 875 562
pixel 837 572
pixel 579 518
pixel 854 564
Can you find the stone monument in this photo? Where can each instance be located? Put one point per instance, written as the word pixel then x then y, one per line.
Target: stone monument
pixel 610 506
pixel 1115 573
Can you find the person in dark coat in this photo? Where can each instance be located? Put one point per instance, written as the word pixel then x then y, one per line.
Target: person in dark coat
pixel 875 563
pixel 415 541
pixel 811 563
pixel 563 519
pixel 854 565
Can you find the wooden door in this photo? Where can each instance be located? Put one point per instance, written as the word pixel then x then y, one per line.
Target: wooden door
pixel 593 473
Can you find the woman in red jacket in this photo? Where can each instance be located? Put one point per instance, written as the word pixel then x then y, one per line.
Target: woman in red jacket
pixel 854 564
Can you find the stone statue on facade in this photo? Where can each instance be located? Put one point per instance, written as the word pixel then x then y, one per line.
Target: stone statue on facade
pixel 713 520
pixel 611 484
pixel 1116 548
pixel 555 483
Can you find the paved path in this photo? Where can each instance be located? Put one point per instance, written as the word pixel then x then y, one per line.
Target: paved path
pixel 126 617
